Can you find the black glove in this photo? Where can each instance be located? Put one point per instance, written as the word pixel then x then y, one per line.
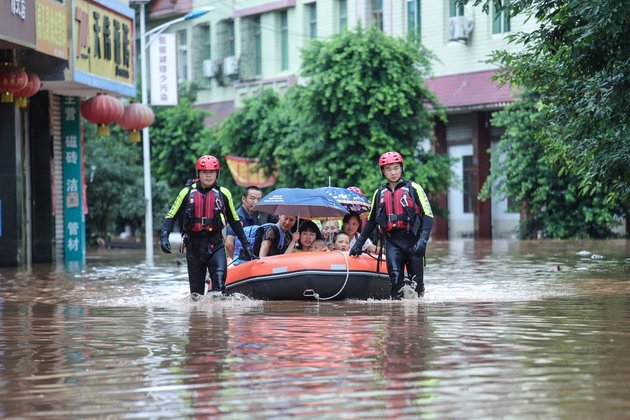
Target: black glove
pixel 356 250
pixel 164 242
pixel 247 254
pixel 420 247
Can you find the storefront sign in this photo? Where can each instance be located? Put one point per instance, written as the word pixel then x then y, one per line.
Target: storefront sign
pixel 51 28
pixel 163 70
pixel 104 40
pixel 17 22
pixel 73 214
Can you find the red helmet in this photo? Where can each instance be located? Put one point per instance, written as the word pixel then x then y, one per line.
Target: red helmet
pixel 390 157
pixel 208 163
pixel 356 190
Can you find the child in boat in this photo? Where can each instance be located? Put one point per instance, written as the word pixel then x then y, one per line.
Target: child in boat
pixel 341 241
pixel 319 245
pixel 308 232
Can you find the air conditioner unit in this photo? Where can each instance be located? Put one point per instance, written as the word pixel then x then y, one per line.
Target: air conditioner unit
pixel 210 69
pixel 459 28
pixel 230 66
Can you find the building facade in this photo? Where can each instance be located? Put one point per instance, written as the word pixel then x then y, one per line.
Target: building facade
pixel 245 46
pixel 77 48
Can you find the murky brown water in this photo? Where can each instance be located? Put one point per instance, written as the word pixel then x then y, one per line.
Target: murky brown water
pixel 501 332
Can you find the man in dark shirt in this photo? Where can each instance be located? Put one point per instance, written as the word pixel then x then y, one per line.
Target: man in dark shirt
pixel 251 196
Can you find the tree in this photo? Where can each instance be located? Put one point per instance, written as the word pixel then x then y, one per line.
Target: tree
pixel 549 200
pixel 578 63
pixel 365 95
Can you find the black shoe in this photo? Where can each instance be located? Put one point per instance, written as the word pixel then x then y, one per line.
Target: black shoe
pixel 420 290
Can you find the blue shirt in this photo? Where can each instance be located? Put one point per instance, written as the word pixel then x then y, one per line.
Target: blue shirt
pixel 257 218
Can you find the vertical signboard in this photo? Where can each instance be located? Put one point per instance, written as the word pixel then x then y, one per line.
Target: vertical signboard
pixel 163 70
pixel 73 215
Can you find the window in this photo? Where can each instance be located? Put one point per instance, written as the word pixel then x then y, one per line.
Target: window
pixel 377 14
pixel 413 19
pixel 501 18
pixel 225 38
pixel 456 8
pixel 284 40
pixel 257 46
pixel 182 56
pixel 467 178
pixel 343 14
pixel 311 18
pixel 206 42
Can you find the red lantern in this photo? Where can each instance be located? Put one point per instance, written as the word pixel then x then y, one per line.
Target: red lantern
pixel 102 110
pixel 136 117
pixel 12 79
pixel 31 88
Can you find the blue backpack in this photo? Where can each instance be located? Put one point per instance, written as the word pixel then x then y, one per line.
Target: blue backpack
pixel 254 235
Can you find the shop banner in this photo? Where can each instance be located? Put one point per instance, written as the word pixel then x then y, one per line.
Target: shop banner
pixel 246 173
pixel 73 214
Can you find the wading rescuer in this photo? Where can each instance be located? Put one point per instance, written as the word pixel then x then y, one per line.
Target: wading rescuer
pixel 403 214
pixel 203 203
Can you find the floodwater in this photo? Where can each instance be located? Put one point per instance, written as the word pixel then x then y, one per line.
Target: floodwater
pixel 506 329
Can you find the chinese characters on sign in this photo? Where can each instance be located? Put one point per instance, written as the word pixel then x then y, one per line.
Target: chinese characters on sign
pixel 18 8
pixel 73 215
pixel 163 70
pixel 104 41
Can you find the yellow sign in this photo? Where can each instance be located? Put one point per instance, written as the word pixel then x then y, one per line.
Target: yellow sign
pixel 245 172
pixel 51 28
pixel 104 43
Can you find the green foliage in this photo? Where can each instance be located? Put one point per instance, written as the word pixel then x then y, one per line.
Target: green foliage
pixel 114 182
pixel 550 200
pixel 578 62
pixel 365 95
pixel 178 137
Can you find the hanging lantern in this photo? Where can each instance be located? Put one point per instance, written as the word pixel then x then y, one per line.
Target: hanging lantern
pixel 12 79
pixel 31 88
pixel 136 117
pixel 102 110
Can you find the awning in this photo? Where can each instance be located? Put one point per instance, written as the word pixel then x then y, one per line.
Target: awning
pixel 470 90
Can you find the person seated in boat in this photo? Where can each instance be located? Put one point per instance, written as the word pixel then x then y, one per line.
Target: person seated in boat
pixel 308 232
pixel 319 245
pixel 352 226
pixel 329 229
pixel 341 241
pixel 249 216
pixel 204 205
pixel 278 238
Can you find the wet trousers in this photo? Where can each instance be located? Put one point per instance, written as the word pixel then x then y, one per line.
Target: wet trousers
pixel 203 255
pixel 399 254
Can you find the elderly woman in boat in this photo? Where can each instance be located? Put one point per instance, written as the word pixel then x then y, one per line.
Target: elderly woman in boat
pixel 278 238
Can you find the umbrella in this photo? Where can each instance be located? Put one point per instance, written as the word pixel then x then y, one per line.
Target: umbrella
pixel 352 201
pixel 301 202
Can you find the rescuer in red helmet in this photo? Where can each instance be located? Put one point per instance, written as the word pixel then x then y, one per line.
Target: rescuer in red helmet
pixel 402 212
pixel 202 205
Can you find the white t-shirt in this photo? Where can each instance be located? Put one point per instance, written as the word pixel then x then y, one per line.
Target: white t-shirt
pixel 367 244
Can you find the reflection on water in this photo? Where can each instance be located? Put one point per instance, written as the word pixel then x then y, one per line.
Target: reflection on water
pixel 516 329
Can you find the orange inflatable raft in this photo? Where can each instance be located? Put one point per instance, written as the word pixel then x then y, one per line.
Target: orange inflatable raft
pixel 309 276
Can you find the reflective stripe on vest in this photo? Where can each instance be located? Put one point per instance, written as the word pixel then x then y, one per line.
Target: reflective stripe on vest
pixel 400 207
pixel 207 209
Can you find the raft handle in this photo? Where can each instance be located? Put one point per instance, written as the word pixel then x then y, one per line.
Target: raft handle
pixel 310 293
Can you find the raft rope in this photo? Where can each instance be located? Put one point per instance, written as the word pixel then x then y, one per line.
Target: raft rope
pixel 316 295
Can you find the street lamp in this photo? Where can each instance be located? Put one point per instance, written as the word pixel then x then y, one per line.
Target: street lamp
pixel 146 141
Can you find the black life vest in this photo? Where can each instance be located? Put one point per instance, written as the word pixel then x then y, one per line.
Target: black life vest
pixel 397 209
pixel 203 210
